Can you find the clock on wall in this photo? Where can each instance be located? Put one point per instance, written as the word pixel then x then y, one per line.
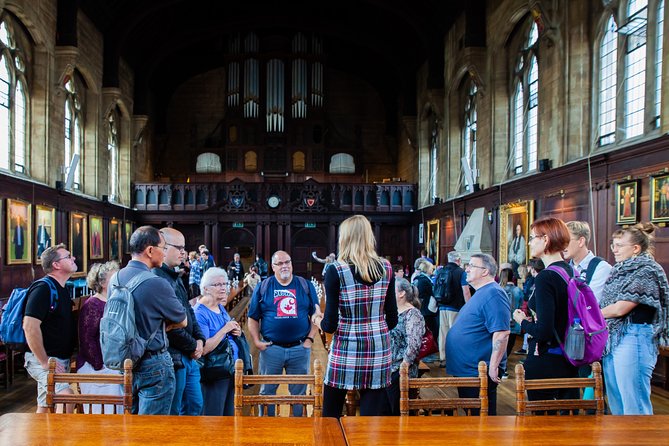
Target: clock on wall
pixel 273 201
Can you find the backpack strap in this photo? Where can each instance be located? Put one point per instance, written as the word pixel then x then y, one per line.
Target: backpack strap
pixel 53 290
pixel 561 272
pixel 592 266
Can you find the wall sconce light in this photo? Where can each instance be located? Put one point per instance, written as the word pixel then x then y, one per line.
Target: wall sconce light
pixel 490 216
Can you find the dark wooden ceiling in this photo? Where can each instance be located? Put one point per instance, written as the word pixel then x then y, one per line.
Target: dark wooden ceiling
pixel 169 41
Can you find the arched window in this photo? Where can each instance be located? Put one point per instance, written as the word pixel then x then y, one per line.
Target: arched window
pixel 74 117
pixel 630 92
pixel 635 69
pixel 13 102
pixel 658 61
pixel 469 133
pixel 608 68
pixel 113 153
pixel 434 149
pixel 525 105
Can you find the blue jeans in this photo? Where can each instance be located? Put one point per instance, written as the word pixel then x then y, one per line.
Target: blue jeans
pixel 188 393
pixel 628 369
pixel 296 362
pixel 153 385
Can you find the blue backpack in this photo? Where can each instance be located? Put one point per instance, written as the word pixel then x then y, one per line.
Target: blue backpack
pixel 11 326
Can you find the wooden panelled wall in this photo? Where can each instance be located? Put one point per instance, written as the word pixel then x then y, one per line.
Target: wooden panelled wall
pixel 12 276
pixel 568 193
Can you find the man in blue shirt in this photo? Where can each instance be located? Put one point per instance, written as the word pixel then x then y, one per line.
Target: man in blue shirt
pixel 481 331
pixel 280 325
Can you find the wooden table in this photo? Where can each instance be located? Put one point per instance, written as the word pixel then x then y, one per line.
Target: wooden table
pixel 507 430
pixel 17 429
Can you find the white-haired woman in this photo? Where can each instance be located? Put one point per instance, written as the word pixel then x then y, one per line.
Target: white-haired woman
pixel 218 327
pixel 89 358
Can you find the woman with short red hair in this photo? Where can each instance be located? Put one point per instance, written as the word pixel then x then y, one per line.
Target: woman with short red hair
pixel 548 309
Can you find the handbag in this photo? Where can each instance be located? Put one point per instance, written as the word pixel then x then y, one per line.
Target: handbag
pixel 217 364
pixel 428 345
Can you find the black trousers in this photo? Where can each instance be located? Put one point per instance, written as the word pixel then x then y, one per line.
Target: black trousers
pixel 373 402
pixel 473 392
pixel 549 366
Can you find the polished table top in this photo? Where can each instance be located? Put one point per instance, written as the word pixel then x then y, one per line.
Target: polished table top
pixel 507 430
pixel 17 429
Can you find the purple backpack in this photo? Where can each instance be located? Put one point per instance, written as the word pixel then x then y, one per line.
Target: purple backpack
pixel 583 305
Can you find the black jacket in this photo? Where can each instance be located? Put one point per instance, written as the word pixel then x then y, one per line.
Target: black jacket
pixel 182 340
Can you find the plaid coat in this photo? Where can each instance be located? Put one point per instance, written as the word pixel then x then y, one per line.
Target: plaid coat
pixel 360 354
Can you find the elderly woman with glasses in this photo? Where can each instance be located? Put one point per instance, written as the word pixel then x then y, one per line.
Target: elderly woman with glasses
pixel 89 358
pixel 635 305
pixel 217 326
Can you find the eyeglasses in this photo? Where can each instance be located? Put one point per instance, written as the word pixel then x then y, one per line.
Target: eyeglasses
pixel 286 263
pixel 177 247
pixel 615 246
pixel 475 266
pixel 69 256
pixel 532 237
pixel 220 284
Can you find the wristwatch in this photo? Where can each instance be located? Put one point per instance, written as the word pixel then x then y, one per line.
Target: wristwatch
pixel 310 338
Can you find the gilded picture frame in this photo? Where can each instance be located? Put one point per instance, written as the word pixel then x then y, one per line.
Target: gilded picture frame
pixel 115 242
pixel 432 240
pixel 127 232
pixel 79 242
pixel 514 231
pixel 659 198
pixel 95 241
pixel 627 202
pixel 45 229
pixel 19 232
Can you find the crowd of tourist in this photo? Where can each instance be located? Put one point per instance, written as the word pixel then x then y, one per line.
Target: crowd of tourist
pixel 376 316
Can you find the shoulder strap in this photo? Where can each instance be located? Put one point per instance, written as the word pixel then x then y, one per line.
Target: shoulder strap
pixel 561 272
pixel 592 266
pixel 53 290
pixel 139 279
pixel 263 289
pixel 305 285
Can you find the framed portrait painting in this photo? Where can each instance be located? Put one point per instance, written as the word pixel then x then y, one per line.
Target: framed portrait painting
pixel 627 203
pixel 432 241
pixel 79 242
pixel 19 236
pixel 114 239
pixel 127 234
pixel 45 226
pixel 95 239
pixel 514 228
pixel 659 198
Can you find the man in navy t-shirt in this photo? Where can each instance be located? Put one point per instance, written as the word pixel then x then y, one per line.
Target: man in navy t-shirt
pixel 280 325
pixel 481 331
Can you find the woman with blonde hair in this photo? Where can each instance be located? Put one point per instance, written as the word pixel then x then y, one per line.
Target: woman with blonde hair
pixel 360 310
pixel 89 358
pixel 635 303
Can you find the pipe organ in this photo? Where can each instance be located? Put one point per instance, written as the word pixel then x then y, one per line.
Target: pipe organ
pixel 274 103
pixel 295 73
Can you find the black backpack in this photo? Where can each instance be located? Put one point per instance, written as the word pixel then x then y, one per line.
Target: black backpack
pixel 442 290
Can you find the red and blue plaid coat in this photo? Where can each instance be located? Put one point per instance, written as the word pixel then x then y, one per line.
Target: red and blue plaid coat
pixel 360 354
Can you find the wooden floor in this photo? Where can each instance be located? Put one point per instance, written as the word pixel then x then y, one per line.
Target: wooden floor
pixel 21 396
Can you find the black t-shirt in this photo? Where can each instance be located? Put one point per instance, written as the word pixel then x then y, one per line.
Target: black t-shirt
pixel 549 303
pixel 58 331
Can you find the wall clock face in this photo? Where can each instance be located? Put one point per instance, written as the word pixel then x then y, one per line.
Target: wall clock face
pixel 273 201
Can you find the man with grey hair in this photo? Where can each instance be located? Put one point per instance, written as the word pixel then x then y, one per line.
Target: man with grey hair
pixel 594 270
pixel 481 331
pixel 451 291
pixel 279 322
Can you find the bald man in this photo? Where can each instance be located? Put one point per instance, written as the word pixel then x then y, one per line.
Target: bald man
pixel 186 344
